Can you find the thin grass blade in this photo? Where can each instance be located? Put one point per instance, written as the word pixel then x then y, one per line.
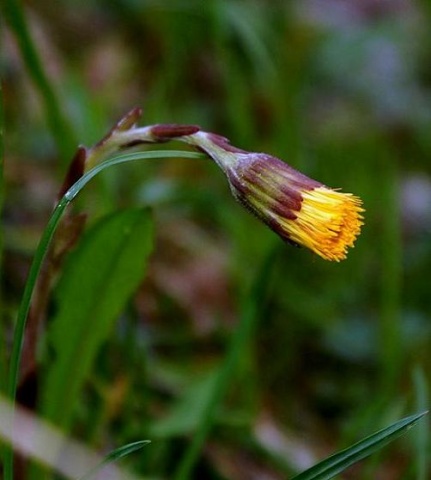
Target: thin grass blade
pixel 338 462
pixel 3 348
pixel 422 432
pixel 239 342
pixel 115 455
pixel 59 124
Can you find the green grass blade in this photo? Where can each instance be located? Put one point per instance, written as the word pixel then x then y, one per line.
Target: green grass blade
pixel 391 282
pixel 249 24
pixel 338 462
pixel 117 454
pixel 39 256
pixel 3 367
pixel 422 433
pixel 238 345
pixel 128 157
pixel 40 253
pixel 46 239
pixel 58 123
pixel 2 186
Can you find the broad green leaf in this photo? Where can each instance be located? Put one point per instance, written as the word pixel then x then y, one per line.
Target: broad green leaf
pixel 99 278
pixel 338 462
pixel 115 455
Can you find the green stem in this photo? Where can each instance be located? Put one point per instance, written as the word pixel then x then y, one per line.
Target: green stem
pixel 391 271
pixel 58 123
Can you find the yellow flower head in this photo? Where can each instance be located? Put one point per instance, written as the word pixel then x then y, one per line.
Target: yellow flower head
pixel 328 222
pixel 299 209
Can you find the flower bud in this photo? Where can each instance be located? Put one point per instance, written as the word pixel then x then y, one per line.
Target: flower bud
pixel 299 209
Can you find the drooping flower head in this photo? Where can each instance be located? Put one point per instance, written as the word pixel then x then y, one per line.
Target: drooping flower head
pixel 299 209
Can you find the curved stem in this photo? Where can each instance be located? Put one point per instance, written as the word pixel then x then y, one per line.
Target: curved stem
pixel 39 256
pixel 24 309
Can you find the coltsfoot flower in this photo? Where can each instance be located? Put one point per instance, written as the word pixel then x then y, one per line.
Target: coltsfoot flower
pixel 299 209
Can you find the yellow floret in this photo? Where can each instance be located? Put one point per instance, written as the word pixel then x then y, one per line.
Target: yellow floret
pixel 327 223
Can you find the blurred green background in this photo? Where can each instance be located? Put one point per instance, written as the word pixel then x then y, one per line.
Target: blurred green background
pixel 341 91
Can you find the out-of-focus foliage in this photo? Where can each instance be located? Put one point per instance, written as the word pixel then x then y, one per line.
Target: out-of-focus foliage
pixel 340 90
